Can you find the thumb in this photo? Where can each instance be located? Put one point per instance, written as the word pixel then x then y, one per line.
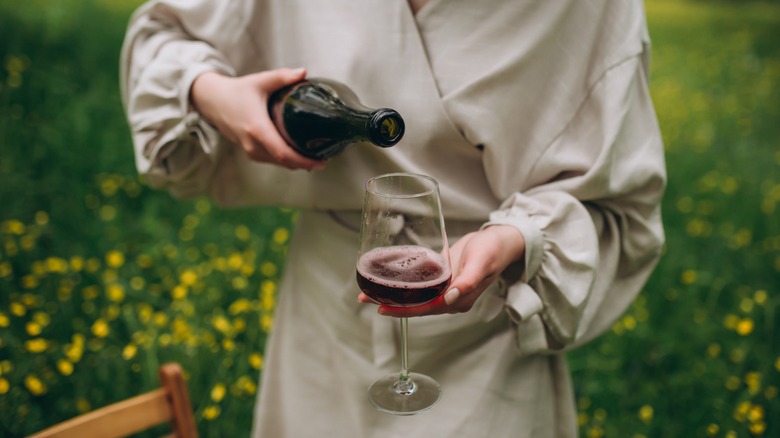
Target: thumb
pixel 273 80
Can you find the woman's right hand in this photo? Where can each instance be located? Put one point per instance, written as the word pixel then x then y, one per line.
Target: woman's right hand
pixel 238 108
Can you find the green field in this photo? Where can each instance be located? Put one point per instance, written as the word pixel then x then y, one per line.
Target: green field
pixel 102 279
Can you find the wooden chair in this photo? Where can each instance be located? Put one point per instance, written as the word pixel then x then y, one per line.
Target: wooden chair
pixel 168 404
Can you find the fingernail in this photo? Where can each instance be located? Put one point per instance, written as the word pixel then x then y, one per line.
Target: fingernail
pixel 298 71
pixel 451 296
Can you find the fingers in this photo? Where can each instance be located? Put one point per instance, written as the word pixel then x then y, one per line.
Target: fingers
pixel 262 141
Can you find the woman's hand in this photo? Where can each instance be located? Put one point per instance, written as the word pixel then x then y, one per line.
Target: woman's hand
pixel 238 108
pixel 477 259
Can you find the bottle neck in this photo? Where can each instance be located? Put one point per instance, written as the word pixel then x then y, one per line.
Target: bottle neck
pixel 385 127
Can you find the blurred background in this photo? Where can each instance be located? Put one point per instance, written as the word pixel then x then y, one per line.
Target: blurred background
pixel 102 279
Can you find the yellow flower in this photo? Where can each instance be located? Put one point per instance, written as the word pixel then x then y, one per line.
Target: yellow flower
pixel 712 429
pixel 745 327
pixel 211 412
pixel 713 350
pixel 268 269
pixel 281 235
pixel 266 322
pixel 29 282
pixel 646 413
pixel 37 345
pixel 5 321
pixel 757 428
pixel 235 261
pixel 13 226
pixel 6 269
pixel 83 405
pixel 731 321
pixel 100 328
pixel 688 277
pixel 241 305
pixel 144 261
pixel 256 361
pixel 129 351
pixel 188 277
pixel 41 217
pixel 34 385
pixel 115 293
pixel 56 265
pixel 65 367
pixel 115 259
pixel 760 297
pixel 33 328
pixel 243 233
pixel 4 385
pixel 246 385
pixel 755 414
pixel 222 324
pixel 218 392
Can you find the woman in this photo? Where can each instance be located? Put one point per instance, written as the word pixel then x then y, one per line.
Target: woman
pixel 535 118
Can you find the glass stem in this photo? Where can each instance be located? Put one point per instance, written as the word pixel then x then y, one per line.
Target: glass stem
pixel 405 385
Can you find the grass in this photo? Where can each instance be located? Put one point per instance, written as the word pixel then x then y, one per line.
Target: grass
pixel 102 278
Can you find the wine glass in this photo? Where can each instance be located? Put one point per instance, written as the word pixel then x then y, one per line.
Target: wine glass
pixel 403 260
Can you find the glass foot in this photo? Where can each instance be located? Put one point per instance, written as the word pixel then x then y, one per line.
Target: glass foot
pixel 419 394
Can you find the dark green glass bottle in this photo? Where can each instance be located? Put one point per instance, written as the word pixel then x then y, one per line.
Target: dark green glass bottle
pixel 320 117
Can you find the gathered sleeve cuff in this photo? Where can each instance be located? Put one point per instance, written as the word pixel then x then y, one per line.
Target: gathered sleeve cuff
pixel 169 44
pixel 592 232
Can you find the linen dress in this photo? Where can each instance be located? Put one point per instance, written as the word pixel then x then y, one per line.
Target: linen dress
pixel 529 113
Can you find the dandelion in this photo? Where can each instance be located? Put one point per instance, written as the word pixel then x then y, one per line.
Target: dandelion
pixel 115 259
pixel 760 297
pixel 235 261
pixel 712 429
pixel 129 351
pixel 595 432
pixel 179 292
pixel 218 392
pixel 732 383
pixel 713 350
pixel 241 305
pixel 744 326
pixel 13 226
pixel 115 293
pixel 188 277
pixel 281 235
pixel 646 413
pixel 83 405
pixel 144 261
pixel 37 345
pixel 688 277
pixel 100 328
pixel 221 324
pixel 29 282
pixel 211 412
pixel 34 384
pixel 6 269
pixel 65 367
pixel 242 232
pixel 266 322
pixel 256 361
pixel 753 382
pixel 268 269
pixel 108 213
pixel 757 428
pixel 246 385
pixel 5 321
pixel 741 411
pixel 4 386
pixel 33 328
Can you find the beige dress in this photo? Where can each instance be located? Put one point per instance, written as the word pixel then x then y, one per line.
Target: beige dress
pixel 529 113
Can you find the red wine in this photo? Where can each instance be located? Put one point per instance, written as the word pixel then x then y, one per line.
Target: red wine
pixel 402 276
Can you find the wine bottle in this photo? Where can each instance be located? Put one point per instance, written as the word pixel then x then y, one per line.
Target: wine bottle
pixel 319 118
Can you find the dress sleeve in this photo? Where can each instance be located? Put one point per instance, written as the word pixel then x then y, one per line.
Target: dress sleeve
pixel 592 226
pixel 167 45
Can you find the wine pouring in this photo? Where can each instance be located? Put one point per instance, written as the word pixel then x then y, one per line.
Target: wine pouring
pixel 403 260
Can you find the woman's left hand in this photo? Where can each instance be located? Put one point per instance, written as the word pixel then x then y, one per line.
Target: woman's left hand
pixel 477 259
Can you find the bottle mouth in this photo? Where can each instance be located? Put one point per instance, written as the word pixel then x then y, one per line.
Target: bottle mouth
pixel 386 127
